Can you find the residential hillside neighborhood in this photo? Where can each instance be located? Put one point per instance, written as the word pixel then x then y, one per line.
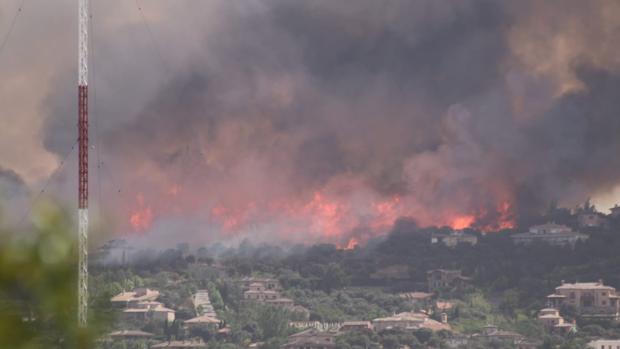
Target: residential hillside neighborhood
pixel 534 287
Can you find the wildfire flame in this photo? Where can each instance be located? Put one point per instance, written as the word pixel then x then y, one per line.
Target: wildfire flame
pixel 462 222
pixel 323 216
pixel 142 218
pixel 351 244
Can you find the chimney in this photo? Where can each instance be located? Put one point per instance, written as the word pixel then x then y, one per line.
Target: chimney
pixel 563 282
pixel 444 318
pixel 600 282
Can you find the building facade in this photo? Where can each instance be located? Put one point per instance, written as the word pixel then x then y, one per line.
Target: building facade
pixel 553 322
pixel 590 299
pixel 605 344
pixel 551 233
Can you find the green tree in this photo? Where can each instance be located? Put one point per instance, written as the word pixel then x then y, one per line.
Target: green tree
pixel 38 283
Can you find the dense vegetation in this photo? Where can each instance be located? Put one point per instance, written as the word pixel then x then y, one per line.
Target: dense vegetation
pixel 508 287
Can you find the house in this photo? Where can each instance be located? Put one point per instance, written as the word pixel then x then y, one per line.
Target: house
pixel 350 326
pixel 592 220
pixel 201 321
pixel 268 283
pixel 259 292
pixel 311 339
pixel 553 322
pixel 409 321
pixel 202 304
pixel 126 299
pixel 590 299
pixel 455 238
pixel 149 310
pixel 194 343
pixel 551 233
pixel 604 344
pixel 442 279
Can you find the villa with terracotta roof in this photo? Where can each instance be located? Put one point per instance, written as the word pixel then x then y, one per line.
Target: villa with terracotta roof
pixel 267 291
pixel 152 310
pixel 259 292
pixel 201 321
pixel 590 299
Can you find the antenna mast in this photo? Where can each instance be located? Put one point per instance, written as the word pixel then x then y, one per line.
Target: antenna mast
pixel 83 162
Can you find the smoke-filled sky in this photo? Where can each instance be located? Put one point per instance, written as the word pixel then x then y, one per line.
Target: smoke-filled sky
pixel 318 120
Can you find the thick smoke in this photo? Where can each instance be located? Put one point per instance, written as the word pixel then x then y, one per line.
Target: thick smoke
pixel 327 120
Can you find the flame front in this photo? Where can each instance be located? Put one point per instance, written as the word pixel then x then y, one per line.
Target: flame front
pixel 324 216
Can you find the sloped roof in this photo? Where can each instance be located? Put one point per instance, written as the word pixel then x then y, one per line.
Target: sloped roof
pixel 204 319
pixel 584 286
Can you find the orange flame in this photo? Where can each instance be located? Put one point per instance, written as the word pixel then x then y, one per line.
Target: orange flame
pixel 327 215
pixel 142 218
pixel 352 244
pixel 462 222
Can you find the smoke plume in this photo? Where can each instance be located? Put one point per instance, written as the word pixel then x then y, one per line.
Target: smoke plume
pixel 328 120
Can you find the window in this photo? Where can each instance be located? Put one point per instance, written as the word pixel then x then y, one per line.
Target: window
pixel 572 296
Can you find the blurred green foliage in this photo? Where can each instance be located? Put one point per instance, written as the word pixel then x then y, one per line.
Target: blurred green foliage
pixel 38 286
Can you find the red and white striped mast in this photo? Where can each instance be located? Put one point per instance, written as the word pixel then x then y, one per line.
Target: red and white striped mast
pixel 83 161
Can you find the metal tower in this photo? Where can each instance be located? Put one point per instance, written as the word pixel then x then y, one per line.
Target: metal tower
pixel 83 161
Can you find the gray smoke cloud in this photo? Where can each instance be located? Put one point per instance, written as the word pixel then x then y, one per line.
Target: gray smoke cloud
pixel 326 120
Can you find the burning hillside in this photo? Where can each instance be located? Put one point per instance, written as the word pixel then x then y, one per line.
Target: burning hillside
pixel 319 121
pixel 350 121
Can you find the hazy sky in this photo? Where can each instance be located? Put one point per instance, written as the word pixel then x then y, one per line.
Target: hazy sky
pixel 317 119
